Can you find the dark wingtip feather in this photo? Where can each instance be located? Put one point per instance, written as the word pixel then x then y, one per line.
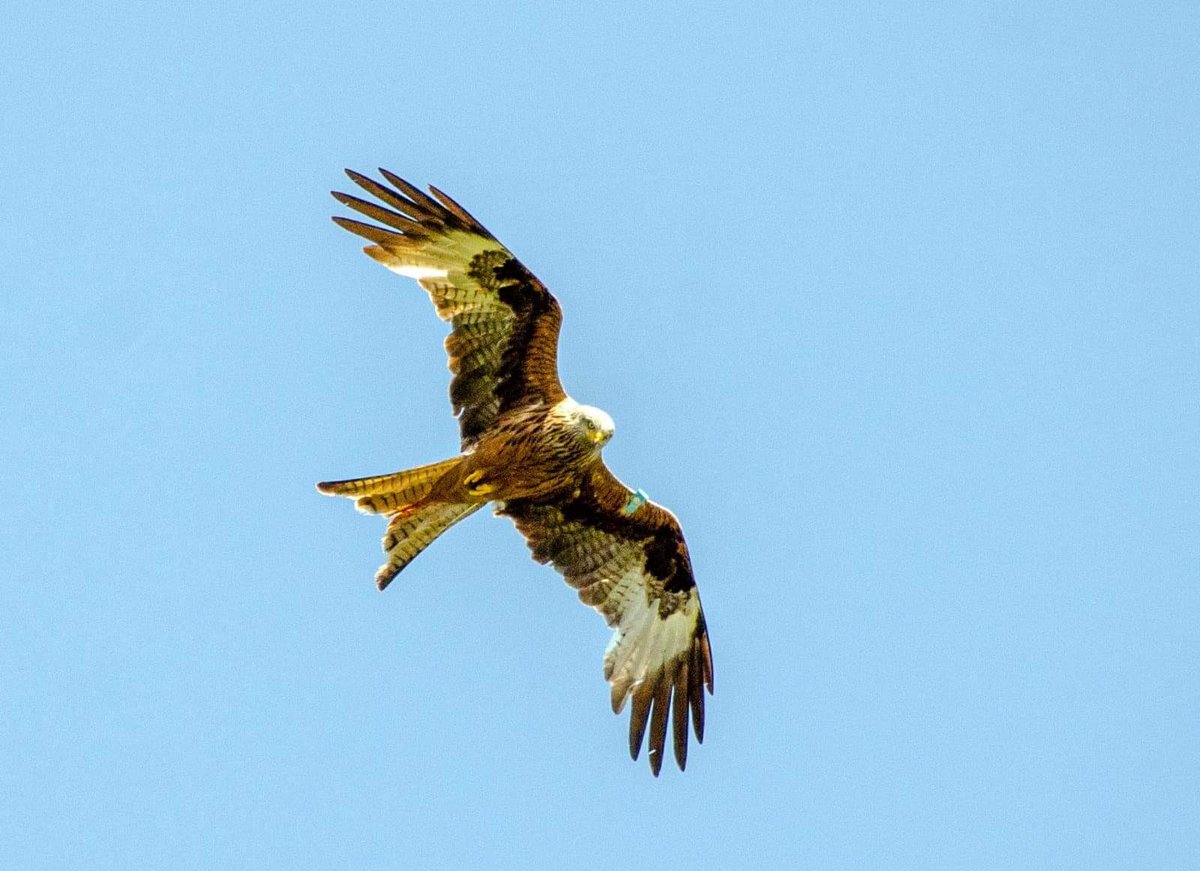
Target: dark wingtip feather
pixel 655 761
pixel 393 198
pixel 658 721
pixel 696 694
pixel 704 650
pixel 378 213
pixel 413 192
pixel 372 233
pixel 366 182
pixel 639 718
pixel 679 710
pixel 468 220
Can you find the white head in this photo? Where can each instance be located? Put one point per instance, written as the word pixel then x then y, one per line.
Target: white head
pixel 595 425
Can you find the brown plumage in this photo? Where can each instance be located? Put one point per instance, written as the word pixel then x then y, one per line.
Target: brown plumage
pixel 535 453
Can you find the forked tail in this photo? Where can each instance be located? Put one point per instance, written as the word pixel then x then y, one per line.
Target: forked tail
pixel 410 532
pixel 414 521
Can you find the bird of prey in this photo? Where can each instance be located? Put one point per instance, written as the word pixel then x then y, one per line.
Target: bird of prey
pixel 535 454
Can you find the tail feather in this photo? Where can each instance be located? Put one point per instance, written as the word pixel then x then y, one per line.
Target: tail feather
pixel 411 531
pixel 415 516
pixel 383 503
pixel 406 487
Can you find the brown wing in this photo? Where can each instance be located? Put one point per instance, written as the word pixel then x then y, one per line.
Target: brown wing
pixel 503 345
pixel 628 559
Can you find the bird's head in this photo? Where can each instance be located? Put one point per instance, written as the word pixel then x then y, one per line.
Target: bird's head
pixel 595 425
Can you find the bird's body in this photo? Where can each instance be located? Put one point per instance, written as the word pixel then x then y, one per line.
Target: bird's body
pixel 535 453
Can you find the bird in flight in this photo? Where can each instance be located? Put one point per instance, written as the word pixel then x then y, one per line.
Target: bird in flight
pixel 534 453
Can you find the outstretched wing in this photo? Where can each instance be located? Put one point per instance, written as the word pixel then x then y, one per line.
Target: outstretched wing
pixel 503 345
pixel 627 558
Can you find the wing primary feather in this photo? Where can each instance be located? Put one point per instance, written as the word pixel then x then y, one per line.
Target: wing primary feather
pixel 643 695
pixel 414 193
pixel 378 213
pixel 620 693
pixel 696 692
pixel 679 714
pixel 375 234
pixel 389 196
pixel 459 212
pixel 706 653
pixel 658 721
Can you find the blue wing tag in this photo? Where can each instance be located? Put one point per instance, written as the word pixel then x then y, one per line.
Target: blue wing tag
pixel 636 501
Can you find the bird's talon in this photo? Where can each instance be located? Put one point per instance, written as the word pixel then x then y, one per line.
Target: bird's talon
pixel 475 484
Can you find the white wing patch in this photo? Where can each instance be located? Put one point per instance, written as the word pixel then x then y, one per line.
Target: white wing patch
pixel 644 643
pixel 440 263
pixel 417 272
pixel 434 256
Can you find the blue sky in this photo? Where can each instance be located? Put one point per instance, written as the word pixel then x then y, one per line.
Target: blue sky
pixel 895 307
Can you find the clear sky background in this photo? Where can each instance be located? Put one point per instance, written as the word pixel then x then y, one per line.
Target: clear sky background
pixel 895 305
